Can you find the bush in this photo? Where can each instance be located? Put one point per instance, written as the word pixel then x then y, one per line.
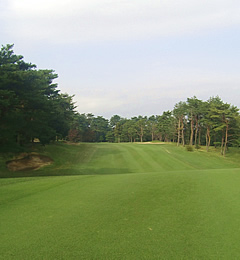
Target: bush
pixel 197 146
pixel 74 135
pixel 189 148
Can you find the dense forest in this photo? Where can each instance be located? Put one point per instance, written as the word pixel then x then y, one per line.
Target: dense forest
pixel 33 109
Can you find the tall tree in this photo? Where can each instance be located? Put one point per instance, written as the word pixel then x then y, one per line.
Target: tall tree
pixel 225 118
pixel 140 123
pixel 130 130
pixel 152 126
pixel 194 111
pixel 180 111
pixel 31 106
pixel 166 126
pixel 100 126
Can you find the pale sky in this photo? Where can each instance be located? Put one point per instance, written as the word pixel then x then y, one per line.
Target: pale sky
pixel 130 57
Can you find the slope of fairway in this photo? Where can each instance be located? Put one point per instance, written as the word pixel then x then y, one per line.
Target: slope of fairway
pixel 108 158
pixel 134 158
pixel 122 201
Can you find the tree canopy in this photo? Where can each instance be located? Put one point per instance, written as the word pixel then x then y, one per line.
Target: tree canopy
pixel 31 106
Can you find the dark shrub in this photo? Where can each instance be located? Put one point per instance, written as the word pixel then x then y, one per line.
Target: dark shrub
pixel 197 146
pixel 189 148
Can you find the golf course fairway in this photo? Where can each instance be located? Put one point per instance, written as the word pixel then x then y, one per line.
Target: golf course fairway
pixel 122 201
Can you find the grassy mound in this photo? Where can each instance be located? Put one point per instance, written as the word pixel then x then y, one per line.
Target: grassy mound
pixel 123 201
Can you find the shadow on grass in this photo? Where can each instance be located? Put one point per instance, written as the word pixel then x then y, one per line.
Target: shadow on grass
pixel 68 161
pixel 65 172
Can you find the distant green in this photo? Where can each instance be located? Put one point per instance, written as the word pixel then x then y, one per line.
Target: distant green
pixel 122 201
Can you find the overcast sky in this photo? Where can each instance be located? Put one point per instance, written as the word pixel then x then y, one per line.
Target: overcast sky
pixel 130 57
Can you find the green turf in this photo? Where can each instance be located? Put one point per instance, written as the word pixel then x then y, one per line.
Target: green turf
pixel 108 158
pixel 123 201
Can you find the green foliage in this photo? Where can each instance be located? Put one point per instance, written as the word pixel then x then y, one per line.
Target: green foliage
pixel 110 136
pixel 114 120
pixel 100 126
pixel 166 126
pixel 196 121
pixel 30 104
pixel 197 147
pixel 189 148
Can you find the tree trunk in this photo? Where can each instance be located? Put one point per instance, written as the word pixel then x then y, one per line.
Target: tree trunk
pixel 141 134
pixel 206 142
pixel 208 138
pixel 183 139
pixel 160 137
pixel 222 143
pixel 226 140
pixel 199 136
pixel 179 126
pixel 191 136
pixel 196 133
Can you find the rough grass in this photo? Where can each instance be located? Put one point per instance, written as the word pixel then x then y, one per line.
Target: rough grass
pixel 123 201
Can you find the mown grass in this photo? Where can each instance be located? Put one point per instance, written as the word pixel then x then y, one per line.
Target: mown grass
pixel 105 158
pixel 123 201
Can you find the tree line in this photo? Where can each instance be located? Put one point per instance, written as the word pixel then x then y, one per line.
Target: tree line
pixel 32 108
pixel 194 122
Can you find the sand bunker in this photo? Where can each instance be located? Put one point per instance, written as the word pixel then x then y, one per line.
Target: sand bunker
pixel 29 162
